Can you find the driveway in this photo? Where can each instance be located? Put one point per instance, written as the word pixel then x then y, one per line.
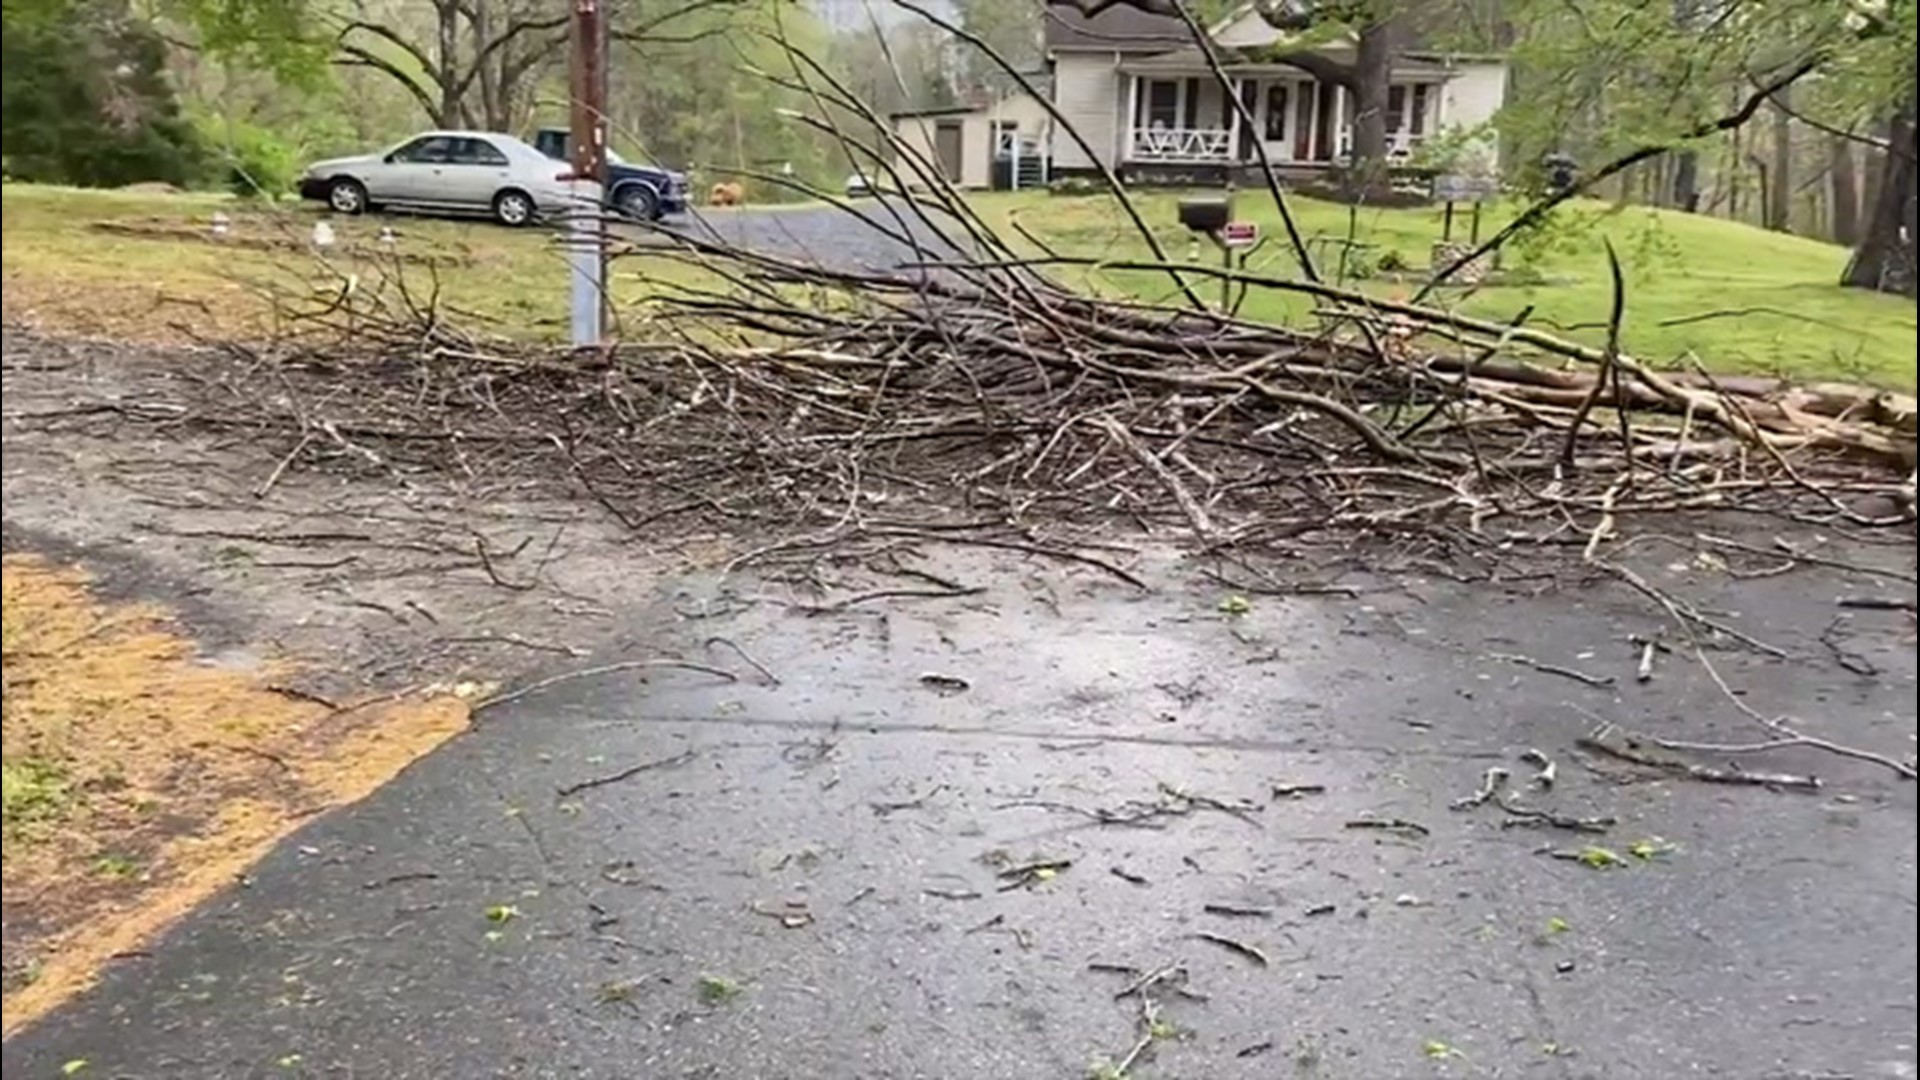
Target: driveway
pixel 944 838
pixel 878 234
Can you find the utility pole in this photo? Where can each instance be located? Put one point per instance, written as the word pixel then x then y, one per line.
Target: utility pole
pixel 587 252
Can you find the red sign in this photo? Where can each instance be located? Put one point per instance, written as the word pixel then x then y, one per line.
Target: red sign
pixel 1239 234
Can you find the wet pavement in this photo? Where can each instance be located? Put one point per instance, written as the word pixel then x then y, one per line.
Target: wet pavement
pixel 863 873
pixel 879 234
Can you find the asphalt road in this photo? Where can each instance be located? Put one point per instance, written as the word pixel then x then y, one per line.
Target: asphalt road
pixel 878 234
pixel 818 879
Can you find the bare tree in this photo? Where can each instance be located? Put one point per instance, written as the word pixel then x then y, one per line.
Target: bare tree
pixel 477 63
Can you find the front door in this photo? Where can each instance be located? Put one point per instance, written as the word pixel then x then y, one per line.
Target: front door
pixel 1274 132
pixel 947 144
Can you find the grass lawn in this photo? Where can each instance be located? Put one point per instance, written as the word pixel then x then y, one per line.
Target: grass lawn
pixel 1681 270
pixel 145 265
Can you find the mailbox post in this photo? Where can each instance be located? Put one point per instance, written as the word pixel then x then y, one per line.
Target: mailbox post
pixel 1213 218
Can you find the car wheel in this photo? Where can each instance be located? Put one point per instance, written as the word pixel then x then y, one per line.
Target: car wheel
pixel 346 196
pixel 513 208
pixel 638 202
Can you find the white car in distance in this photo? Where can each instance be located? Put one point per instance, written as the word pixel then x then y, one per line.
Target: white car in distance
pixel 461 172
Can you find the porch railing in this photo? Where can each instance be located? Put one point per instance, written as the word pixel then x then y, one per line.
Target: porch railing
pixel 1181 144
pixel 1400 145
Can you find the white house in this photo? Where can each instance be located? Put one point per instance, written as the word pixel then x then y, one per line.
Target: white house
pixel 1139 90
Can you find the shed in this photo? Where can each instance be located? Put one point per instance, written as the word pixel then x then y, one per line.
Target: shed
pixel 965 142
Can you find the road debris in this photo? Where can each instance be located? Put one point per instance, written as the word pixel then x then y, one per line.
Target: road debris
pixel 1028 874
pixel 1547 772
pixel 882 809
pixel 946 684
pixel 569 790
pixel 1238 911
pixel 793 914
pixel 1392 825
pixel 1127 876
pixel 1615 742
pixel 1235 945
pixel 1650 645
pixel 1555 669
pixel 1295 791
pixel 1493 789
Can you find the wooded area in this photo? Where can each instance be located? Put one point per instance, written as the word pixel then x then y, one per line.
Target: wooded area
pixel 1793 117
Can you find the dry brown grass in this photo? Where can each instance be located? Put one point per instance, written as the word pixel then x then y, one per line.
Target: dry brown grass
pixel 141 779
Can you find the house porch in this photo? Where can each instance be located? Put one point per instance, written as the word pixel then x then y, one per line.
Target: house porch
pixel 1177 117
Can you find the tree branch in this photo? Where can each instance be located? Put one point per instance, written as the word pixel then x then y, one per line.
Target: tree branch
pixel 355 56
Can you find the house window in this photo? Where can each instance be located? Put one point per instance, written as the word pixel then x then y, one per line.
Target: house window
pixel 1276 113
pixel 1396 109
pixel 1420 95
pixel 1163 102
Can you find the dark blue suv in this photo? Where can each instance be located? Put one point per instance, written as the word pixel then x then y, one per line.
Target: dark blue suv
pixel 641 192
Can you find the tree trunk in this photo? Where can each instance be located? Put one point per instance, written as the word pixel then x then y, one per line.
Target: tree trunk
pixel 1883 261
pixel 1780 195
pixel 1372 70
pixel 1686 181
pixel 1844 189
pixel 1685 191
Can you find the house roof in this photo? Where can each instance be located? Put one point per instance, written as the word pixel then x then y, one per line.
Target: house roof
pixel 1125 28
pixel 1118 28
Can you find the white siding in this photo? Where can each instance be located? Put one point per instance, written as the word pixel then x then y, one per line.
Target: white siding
pixel 916 144
pixel 1089 95
pixel 1477 91
pixel 1474 94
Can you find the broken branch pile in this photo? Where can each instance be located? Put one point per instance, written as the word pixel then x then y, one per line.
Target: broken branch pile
pixel 957 393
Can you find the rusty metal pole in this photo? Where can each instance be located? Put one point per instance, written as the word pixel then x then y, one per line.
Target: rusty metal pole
pixel 587 255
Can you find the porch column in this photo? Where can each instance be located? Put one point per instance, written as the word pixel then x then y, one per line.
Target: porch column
pixel 1339 125
pixel 1133 117
pixel 1233 119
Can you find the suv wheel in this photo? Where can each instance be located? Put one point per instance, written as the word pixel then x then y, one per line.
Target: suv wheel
pixel 638 202
pixel 513 208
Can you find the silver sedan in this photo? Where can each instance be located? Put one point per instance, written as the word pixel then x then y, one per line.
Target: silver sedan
pixel 464 172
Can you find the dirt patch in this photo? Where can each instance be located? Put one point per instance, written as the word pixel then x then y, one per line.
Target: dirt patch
pixel 132 311
pixel 140 779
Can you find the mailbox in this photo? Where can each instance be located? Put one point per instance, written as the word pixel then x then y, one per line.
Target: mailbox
pixel 1204 215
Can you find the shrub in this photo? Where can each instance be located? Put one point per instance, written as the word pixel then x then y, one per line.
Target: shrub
pixel 255 162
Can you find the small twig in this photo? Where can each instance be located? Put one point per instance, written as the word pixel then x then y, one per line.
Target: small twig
pixel 1241 947
pixel 1490 784
pixel 1686 614
pixel 273 477
pixel 1555 669
pixel 567 790
pixel 493 575
pixel 1238 911
pixel 1548 772
pixel 604 669
pixel 1732 774
pixel 1294 791
pixel 882 809
pixel 770 677
pixel 1877 603
pixel 889 594
pixel 1398 825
